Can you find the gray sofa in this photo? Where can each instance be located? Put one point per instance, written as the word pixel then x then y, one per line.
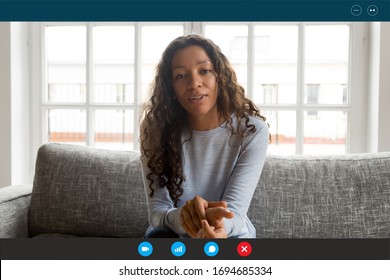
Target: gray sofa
pixel 85 192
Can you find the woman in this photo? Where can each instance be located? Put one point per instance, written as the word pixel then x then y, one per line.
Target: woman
pixel 203 145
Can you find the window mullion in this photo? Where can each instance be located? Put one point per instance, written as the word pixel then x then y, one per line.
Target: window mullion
pixel 137 82
pixel 197 28
pixel 300 90
pixel 251 61
pixel 43 88
pixel 90 85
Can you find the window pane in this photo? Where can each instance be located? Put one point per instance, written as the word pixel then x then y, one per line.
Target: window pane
pixel 114 129
pixel 113 57
pixel 67 126
pixel 283 130
pixel 326 63
pixel 154 41
pixel 276 56
pixel 325 132
pixel 66 63
pixel 233 41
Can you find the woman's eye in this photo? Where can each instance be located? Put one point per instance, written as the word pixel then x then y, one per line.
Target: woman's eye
pixel 205 71
pixel 179 76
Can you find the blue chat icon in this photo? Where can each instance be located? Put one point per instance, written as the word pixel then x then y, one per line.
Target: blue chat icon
pixel 211 249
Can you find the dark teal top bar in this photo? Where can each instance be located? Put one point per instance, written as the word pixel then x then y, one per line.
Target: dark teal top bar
pixel 194 10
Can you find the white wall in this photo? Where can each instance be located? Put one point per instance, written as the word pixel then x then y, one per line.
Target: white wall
pixel 384 90
pixel 378 131
pixel 15 164
pixel 5 105
pixel 20 104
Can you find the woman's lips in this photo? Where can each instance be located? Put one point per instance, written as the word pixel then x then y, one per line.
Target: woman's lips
pixel 197 98
pixel 194 97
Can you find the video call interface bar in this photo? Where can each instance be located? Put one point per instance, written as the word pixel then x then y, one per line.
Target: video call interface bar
pixel 194 249
pixel 194 10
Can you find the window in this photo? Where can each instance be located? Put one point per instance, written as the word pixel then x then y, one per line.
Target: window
pixel 95 78
pixel 297 73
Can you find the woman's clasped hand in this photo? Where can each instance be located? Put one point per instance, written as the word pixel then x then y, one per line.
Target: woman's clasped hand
pixel 204 219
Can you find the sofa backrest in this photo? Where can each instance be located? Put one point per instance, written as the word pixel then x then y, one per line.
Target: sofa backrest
pixel 87 192
pixel 346 196
pixel 90 192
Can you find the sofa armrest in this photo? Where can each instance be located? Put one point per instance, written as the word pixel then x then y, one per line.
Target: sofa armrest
pixel 14 207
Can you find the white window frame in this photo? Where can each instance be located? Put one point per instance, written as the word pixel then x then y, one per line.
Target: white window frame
pixel 39 103
pixel 357 81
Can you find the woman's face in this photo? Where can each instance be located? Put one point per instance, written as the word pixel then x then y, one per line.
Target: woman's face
pixel 195 83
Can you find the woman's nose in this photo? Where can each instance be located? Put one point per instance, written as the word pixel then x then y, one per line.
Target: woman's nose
pixel 194 82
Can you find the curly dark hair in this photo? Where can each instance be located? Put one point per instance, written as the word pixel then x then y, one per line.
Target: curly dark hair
pixel 164 119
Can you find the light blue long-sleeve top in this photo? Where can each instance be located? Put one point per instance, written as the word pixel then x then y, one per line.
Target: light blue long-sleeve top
pixel 217 166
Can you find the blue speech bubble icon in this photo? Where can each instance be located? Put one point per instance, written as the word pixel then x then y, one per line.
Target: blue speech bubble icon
pixel 211 249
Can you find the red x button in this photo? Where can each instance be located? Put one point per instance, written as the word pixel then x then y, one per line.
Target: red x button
pixel 244 249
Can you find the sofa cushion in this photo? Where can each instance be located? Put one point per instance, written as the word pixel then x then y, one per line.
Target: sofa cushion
pixel 323 197
pixel 87 192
